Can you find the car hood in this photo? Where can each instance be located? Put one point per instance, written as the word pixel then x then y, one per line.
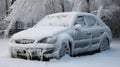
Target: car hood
pixel 38 33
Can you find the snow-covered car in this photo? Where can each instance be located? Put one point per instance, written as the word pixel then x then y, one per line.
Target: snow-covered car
pixel 62 33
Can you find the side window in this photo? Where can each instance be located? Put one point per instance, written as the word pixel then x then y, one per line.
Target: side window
pixel 80 20
pixel 91 21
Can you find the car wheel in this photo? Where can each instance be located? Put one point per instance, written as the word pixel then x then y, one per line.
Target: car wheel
pixel 67 48
pixel 104 45
pixel 63 50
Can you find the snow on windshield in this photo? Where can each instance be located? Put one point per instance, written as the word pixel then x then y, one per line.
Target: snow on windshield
pixel 55 20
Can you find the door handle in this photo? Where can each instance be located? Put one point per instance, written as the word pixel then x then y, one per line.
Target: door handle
pixel 88 33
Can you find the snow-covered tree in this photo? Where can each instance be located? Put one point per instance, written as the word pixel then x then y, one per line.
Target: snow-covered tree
pixel 4 6
pixel 81 5
pixel 55 6
pixel 108 10
pixel 31 11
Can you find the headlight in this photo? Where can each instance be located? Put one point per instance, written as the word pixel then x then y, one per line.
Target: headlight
pixel 49 40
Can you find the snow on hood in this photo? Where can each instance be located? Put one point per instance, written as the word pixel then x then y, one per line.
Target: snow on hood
pixel 38 33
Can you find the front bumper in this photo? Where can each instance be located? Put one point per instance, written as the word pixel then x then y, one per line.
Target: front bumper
pixel 33 52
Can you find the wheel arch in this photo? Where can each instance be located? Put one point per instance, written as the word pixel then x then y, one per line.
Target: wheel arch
pixel 67 37
pixel 105 36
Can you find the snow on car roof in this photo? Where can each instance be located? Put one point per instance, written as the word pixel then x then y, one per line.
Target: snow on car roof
pixel 74 13
pixel 61 19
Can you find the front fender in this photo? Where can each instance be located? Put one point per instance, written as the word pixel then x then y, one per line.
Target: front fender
pixel 64 38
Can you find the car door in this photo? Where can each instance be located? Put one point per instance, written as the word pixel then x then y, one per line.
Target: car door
pixel 82 36
pixel 95 30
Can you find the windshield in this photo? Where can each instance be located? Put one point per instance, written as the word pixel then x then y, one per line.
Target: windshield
pixel 54 20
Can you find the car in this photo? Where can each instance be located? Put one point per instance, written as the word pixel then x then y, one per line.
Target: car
pixel 59 34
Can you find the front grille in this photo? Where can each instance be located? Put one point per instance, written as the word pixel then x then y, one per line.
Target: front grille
pixel 24 41
pixel 32 51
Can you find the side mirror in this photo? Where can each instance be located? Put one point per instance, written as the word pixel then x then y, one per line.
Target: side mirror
pixel 78 27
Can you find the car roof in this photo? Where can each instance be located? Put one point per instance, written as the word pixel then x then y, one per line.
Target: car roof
pixel 74 13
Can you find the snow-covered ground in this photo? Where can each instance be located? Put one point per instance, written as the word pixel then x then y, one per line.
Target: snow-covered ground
pixel 109 58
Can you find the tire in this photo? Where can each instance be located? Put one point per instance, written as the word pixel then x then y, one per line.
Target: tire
pixel 104 45
pixel 70 50
pixel 65 49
